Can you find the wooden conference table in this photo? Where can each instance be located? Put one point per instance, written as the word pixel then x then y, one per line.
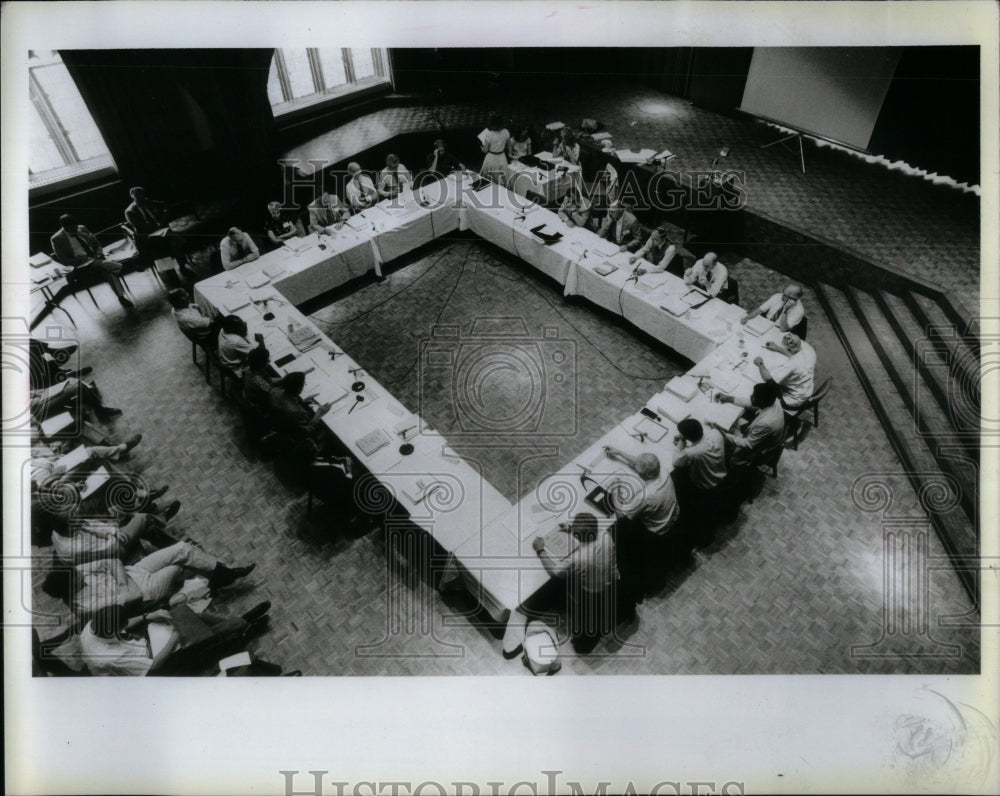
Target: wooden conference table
pixel 487 539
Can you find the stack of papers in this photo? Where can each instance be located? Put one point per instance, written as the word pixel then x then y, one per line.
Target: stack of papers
pixel 650 281
pixel 684 387
pixel 39 260
pixel 274 270
pixel 257 280
pixel 236 302
pixel 303 338
pixel 358 222
pixel 298 244
pixel 605 268
pixel 372 442
pixel 758 325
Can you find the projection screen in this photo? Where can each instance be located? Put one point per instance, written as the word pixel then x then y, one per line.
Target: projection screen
pixel 830 92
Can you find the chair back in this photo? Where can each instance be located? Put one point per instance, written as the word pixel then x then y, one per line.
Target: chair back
pixel 818 394
pixel 731 294
pixel 801 328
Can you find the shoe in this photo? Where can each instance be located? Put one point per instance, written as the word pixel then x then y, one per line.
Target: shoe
pixel 513 653
pixel 131 442
pixel 126 303
pixel 158 493
pixel 107 412
pixel 223 575
pixel 170 511
pixel 257 613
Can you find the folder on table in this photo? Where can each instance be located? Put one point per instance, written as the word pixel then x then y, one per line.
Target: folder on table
pixel 675 305
pixel 695 297
pixel 757 326
pixel 374 441
pixel 274 270
pixel 39 260
pixel 237 302
pixel 604 269
pixel 546 237
pixel 684 387
pixel 653 430
pixel 257 280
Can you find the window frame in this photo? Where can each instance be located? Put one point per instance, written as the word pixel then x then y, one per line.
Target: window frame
pixel 325 98
pixel 74 171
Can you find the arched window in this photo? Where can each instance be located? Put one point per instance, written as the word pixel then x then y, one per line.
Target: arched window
pixel 64 143
pixel 302 77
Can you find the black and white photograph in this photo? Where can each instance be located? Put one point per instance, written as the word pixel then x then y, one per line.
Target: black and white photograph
pixel 412 351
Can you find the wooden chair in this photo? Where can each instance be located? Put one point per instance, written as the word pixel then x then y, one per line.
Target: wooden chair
pixel 794 417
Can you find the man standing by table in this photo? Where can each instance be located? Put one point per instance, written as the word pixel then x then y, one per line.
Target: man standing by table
pixel 699 470
pixel 708 274
pixel 361 193
pixel 237 248
pixel 76 247
pixel 591 574
pixel 326 211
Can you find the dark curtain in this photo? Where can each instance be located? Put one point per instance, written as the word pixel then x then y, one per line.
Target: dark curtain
pixel 177 120
pixel 718 77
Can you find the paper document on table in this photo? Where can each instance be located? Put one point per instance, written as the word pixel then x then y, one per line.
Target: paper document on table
pixel 374 441
pixel 257 280
pixel 420 490
pixel 299 244
pixel 274 270
pixel 675 305
pixel 604 269
pixel 559 543
pixel 651 281
pixel 630 156
pixel 38 260
pixel 758 325
pixel 671 407
pixel 651 429
pixel 358 222
pixel 303 337
pixel 330 392
pixel 74 458
pixel 695 298
pixel 727 381
pixel 56 423
pixel 684 387
pixel 236 302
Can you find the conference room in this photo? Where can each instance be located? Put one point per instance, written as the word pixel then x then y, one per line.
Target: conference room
pixel 439 365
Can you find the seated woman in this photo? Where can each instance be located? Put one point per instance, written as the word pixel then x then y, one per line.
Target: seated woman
pixel 575 208
pixel 520 144
pixel 568 147
pixel 657 250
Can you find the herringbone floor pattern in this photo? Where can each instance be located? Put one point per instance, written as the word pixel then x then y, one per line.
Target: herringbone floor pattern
pixel 790 587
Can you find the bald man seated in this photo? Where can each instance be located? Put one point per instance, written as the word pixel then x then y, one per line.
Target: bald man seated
pixel 708 274
pixel 360 190
pixel 784 309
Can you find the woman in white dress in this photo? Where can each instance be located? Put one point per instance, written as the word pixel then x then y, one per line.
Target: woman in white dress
pixel 494 145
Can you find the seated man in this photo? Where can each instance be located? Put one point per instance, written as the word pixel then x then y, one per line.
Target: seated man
pixel 234 346
pixel 567 146
pixel 708 274
pixel 257 383
pixel 75 247
pixel 361 193
pixel 326 211
pixel 45 403
pixel 645 515
pixel 575 208
pixel 280 225
pixel 766 430
pixel 784 309
pixel 393 178
pixel 237 248
pixel 591 574
pixel 112 645
pixel 290 413
pixel 441 162
pixel 90 538
pixel 621 228
pixel 799 371
pixel 657 250
pixel 699 470
pixel 145 584
pixel 190 320
pixel 152 231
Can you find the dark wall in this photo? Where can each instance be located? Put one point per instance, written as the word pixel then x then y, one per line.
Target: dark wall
pixel 718 76
pixel 930 117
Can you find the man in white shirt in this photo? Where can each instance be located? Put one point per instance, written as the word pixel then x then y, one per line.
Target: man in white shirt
pixel 708 274
pixel 190 319
pixel 621 227
pixel 766 430
pixel 237 248
pixel 360 189
pixel 234 345
pixel 393 178
pixel 657 250
pixel 797 375
pixel 783 309
pixel 699 472
pixel 592 573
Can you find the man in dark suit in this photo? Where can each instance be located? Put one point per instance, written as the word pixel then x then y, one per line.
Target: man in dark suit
pixel 152 232
pixel 76 247
pixel 621 227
